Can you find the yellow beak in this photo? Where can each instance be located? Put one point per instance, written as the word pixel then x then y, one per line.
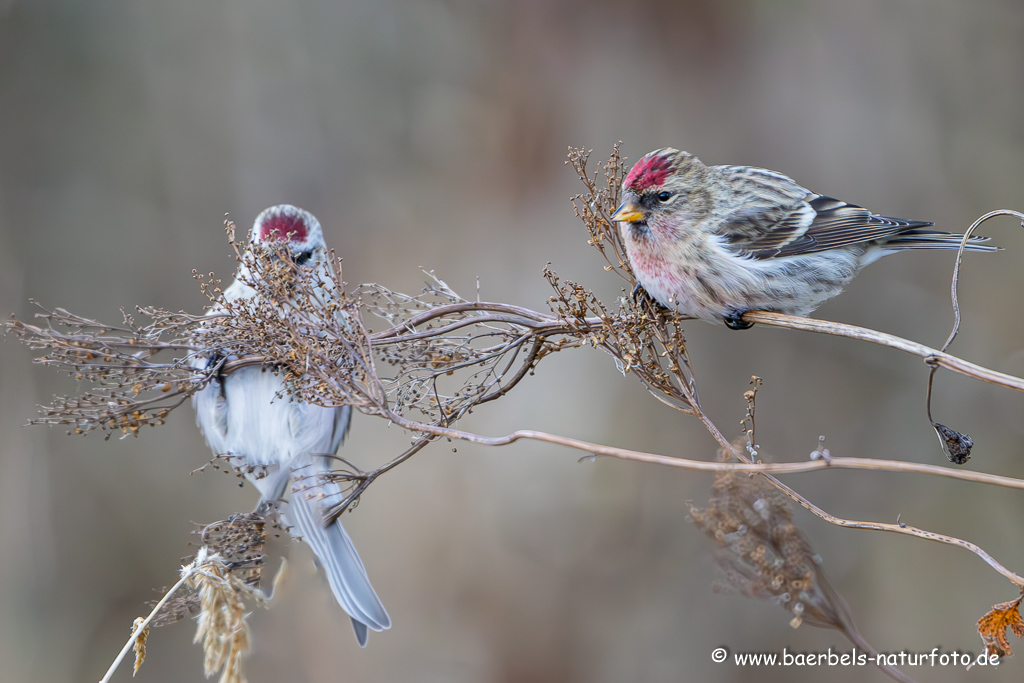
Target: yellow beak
pixel 628 212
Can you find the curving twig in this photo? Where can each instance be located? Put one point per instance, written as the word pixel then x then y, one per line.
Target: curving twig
pixel 959 259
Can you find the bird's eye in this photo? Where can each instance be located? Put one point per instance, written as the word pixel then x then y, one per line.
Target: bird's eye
pixel 664 196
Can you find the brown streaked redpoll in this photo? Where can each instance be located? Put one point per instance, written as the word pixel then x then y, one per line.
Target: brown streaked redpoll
pixel 247 416
pixel 714 242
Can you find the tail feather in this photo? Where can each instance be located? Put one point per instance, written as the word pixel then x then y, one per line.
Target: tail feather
pixel 934 239
pixel 336 553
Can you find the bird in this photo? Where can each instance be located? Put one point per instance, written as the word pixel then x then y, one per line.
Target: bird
pixel 713 242
pixel 247 415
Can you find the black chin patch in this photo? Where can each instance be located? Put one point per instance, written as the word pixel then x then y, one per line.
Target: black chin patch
pixel 302 257
pixel 639 229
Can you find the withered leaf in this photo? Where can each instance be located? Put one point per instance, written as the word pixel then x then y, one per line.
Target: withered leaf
pixel 992 627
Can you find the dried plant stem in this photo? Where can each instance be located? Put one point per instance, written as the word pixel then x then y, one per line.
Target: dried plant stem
pixel 872 464
pixel 959 259
pixel 764 469
pixel 931 356
pixel 541 324
pixel 145 623
pixel 906 529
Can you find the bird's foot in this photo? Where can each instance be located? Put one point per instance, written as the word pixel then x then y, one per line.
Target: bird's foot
pixel 735 321
pixel 266 508
pixel 645 302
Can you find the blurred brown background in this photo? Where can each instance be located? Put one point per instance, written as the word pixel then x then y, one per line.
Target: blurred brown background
pixel 433 134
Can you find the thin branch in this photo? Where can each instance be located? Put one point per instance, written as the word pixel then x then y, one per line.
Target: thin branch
pixel 771 468
pixel 870 464
pixel 930 355
pixel 545 325
pixel 902 528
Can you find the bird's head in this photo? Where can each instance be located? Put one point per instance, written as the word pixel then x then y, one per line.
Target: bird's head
pixel 665 186
pixel 297 228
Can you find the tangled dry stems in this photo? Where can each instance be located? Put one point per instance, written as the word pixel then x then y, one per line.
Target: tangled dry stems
pixel 436 357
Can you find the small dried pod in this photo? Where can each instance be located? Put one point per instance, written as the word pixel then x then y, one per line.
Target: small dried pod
pixel 955 445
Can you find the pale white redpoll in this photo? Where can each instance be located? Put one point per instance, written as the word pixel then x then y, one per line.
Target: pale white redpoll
pixel 279 441
pixel 716 241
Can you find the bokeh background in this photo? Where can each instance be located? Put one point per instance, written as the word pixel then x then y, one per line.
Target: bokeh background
pixel 432 134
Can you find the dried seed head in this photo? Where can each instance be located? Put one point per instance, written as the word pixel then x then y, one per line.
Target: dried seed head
pixel 956 445
pixel 763 554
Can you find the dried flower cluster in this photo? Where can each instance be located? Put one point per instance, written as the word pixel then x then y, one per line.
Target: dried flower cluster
pixel 764 554
pixel 129 388
pixel 221 625
pixel 140 631
pixel 641 337
pixel 238 541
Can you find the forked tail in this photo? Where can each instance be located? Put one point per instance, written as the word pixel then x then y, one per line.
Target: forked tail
pixel 334 549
